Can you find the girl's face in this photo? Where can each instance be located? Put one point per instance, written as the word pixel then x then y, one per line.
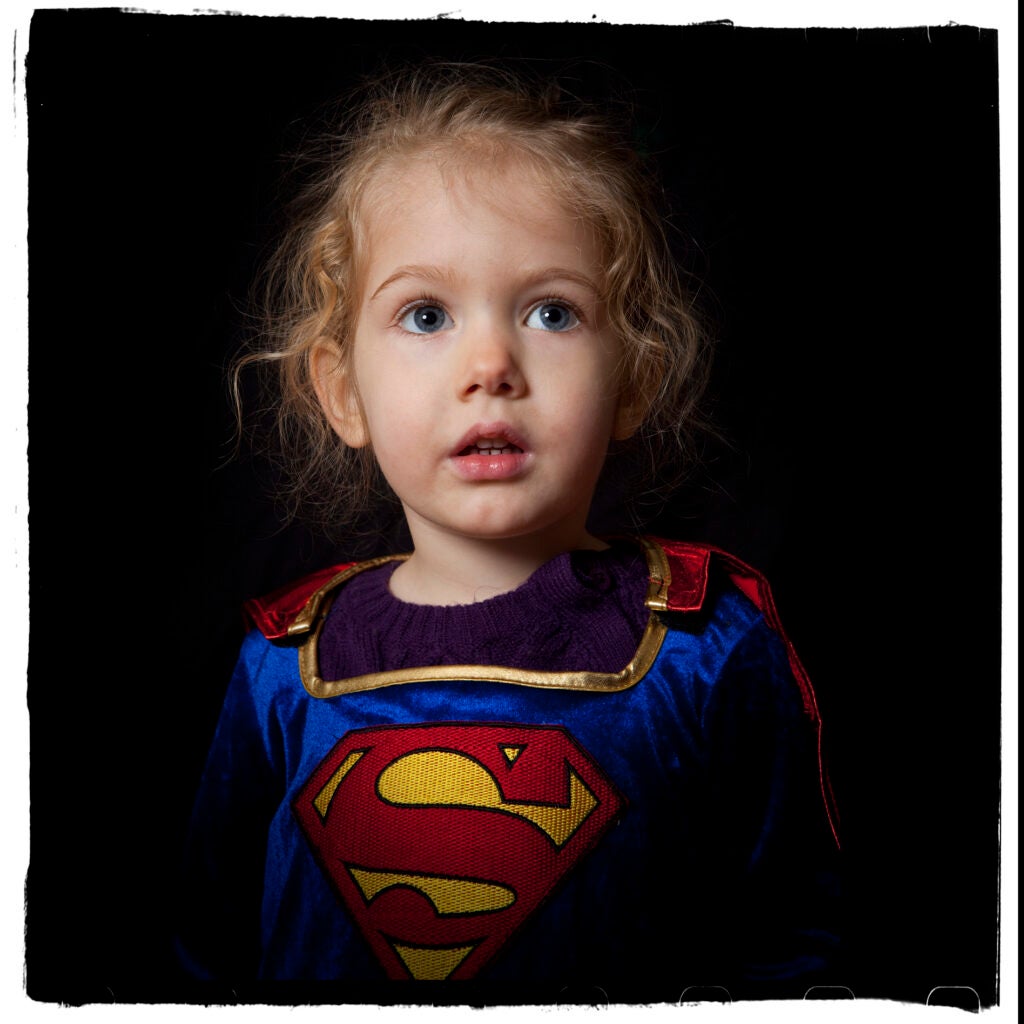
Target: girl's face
pixel 484 375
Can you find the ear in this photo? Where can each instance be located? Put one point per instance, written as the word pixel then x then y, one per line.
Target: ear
pixel 336 392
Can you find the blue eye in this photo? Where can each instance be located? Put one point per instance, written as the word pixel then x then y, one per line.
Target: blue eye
pixel 425 320
pixel 552 316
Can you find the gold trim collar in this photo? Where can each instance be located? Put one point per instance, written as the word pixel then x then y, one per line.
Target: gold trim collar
pixel 309 623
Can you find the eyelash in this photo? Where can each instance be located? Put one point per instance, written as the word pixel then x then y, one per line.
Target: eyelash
pixel 417 303
pixel 557 300
pixel 429 300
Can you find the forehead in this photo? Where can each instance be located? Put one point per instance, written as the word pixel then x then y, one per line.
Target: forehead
pixel 430 204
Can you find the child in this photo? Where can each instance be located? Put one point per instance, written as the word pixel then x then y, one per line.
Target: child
pixel 521 752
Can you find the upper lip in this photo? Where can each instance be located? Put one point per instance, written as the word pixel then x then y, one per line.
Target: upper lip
pixel 491 431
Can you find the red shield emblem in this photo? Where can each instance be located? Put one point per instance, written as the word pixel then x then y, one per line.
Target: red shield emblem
pixel 442 839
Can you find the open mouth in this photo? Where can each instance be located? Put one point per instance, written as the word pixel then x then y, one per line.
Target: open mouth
pixel 491 451
pixel 491 446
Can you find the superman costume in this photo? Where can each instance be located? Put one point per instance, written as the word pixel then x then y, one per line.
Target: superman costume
pixel 664 826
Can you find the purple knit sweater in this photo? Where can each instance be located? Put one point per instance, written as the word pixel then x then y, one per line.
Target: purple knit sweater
pixel 583 610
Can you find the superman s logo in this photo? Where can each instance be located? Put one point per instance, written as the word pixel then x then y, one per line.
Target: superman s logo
pixel 442 839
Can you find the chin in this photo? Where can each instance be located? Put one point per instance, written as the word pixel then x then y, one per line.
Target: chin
pixel 542 534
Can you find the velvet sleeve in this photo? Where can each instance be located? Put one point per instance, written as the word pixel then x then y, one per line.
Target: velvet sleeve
pixel 218 934
pixel 770 837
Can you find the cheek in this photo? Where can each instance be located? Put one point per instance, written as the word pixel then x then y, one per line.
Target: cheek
pixel 587 400
pixel 377 388
pixel 398 399
pixel 398 425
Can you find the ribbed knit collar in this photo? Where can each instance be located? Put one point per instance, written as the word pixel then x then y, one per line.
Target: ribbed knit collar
pixel 583 610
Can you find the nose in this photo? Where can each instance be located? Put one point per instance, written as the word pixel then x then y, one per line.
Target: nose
pixel 490 363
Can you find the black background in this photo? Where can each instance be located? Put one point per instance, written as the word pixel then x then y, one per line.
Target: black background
pixel 843 187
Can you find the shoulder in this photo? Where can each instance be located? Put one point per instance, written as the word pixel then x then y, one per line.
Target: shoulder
pixel 689 568
pixel 692 569
pixel 687 583
pixel 291 610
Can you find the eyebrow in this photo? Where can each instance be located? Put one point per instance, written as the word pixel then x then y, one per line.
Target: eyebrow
pixel 444 275
pixel 428 273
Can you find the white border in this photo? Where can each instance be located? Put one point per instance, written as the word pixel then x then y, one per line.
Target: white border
pixel 14 478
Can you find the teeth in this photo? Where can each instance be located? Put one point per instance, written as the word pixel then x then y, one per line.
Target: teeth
pixel 494 446
pixel 491 446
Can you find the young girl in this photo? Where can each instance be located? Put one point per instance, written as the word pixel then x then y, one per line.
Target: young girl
pixel 520 752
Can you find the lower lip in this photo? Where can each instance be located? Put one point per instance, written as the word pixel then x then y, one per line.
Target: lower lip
pixel 490 467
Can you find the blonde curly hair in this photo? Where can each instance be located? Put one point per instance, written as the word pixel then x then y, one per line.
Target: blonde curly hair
pixel 461 112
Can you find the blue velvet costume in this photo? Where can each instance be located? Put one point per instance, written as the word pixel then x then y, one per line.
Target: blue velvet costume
pixel 664 827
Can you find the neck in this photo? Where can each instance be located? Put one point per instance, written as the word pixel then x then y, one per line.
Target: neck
pixel 447 569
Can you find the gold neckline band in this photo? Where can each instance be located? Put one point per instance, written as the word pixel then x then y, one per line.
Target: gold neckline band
pixel 309 623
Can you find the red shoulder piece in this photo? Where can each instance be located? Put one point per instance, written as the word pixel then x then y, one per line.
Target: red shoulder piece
pixel 690 564
pixel 273 613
